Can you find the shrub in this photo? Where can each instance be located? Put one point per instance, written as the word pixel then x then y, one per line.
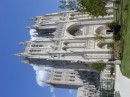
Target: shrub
pixel 111 25
pixel 116 36
pixel 98 66
pixel 111 45
pixel 116 29
pixel 118 49
pixel 117 1
pixel 112 70
pixel 114 26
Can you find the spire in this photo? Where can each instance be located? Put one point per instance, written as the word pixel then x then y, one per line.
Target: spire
pixel 28 27
pixel 48 70
pixel 18 54
pixel 25 61
pixel 32 27
pixel 46 82
pixel 21 54
pixel 33 18
pixel 24 43
pixel 37 17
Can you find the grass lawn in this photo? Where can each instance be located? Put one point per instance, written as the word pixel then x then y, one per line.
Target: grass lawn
pixel 125 66
pixel 123 16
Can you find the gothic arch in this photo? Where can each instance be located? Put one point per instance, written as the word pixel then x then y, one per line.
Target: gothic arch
pixel 100 29
pixel 74 30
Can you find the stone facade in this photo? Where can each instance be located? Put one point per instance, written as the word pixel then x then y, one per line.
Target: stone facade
pixel 68 42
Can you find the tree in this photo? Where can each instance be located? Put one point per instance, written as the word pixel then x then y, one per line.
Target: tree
pixel 94 8
pixel 71 5
pixel 116 28
pixel 98 66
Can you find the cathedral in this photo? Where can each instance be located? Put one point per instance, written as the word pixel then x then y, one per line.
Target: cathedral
pixel 64 44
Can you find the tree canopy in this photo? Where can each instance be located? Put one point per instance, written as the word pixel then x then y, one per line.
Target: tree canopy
pixel 94 8
pixel 71 5
pixel 98 66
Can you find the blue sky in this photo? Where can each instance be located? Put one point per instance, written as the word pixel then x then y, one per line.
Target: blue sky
pixel 18 79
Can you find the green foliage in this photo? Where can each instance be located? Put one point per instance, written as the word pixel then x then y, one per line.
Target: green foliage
pixel 123 16
pixel 117 1
pixel 116 36
pixel 112 70
pixel 112 25
pixel 98 66
pixel 116 28
pixel 94 8
pixel 111 45
pixel 98 37
pixel 67 5
pixel 118 49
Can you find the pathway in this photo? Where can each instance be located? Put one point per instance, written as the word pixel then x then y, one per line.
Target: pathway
pixel 122 83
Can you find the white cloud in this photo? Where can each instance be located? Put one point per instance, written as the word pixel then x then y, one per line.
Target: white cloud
pixel 70 91
pixel 40 74
pixel 51 89
pixel 53 95
pixel 40 83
